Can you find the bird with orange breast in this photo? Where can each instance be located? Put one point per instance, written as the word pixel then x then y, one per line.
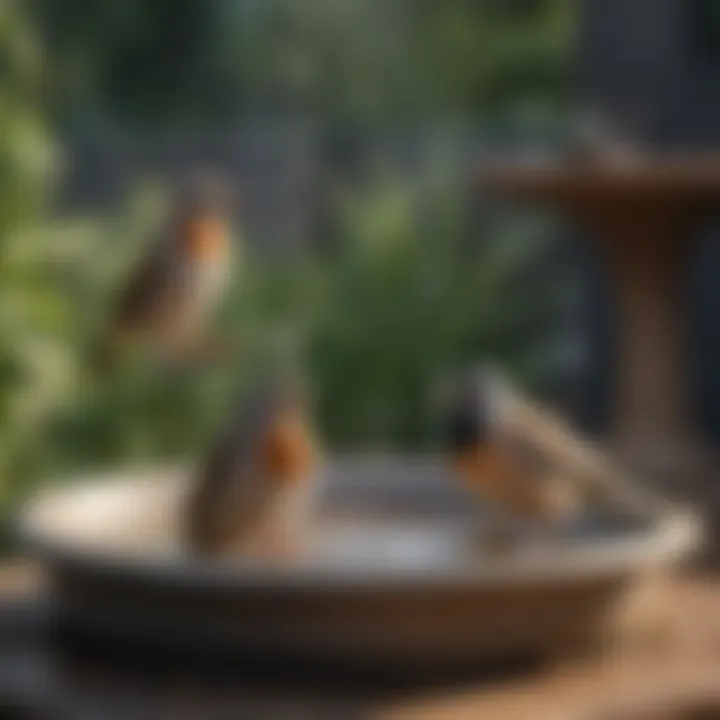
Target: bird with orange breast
pixel 176 288
pixel 255 493
pixel 526 465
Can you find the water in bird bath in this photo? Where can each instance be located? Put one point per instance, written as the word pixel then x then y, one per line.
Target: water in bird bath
pixel 365 522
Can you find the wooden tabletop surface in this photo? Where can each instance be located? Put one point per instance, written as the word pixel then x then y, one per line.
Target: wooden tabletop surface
pixel 679 668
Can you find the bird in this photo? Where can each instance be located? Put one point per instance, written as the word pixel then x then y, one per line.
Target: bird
pixel 178 284
pixel 528 466
pixel 596 139
pixel 254 493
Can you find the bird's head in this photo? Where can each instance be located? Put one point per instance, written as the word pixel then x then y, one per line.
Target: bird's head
pixel 285 444
pixel 204 208
pixel 469 424
pixel 467 412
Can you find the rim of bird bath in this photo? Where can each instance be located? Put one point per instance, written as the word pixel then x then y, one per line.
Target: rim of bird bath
pixel 659 538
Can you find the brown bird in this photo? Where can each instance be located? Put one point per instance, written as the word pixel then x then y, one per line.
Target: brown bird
pixel 254 493
pixel 528 465
pixel 177 286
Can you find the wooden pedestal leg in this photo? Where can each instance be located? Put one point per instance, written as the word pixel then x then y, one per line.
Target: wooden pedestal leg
pixel 647 250
pixel 646 256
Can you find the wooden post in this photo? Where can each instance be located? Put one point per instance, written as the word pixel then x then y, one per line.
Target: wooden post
pixel 646 254
pixel 642 214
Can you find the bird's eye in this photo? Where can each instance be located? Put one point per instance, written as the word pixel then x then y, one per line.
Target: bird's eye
pixel 467 425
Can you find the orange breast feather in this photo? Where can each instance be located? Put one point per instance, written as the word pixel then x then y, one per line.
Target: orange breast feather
pixel 288 450
pixel 208 239
pixel 487 471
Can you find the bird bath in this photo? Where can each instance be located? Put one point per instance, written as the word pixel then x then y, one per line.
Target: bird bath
pixel 391 574
pixel 641 214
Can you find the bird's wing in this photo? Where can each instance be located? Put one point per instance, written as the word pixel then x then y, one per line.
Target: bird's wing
pixel 231 492
pixel 230 501
pixel 544 431
pixel 540 432
pixel 149 278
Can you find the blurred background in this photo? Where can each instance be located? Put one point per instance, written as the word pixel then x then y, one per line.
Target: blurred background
pixel 352 128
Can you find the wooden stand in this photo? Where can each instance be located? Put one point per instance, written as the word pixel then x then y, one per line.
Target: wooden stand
pixel 642 215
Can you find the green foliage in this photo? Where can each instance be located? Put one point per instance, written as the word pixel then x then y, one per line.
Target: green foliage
pixel 485 55
pixel 412 298
pixel 409 297
pixel 32 310
pixel 133 59
pixel 26 155
pixel 365 60
pixel 344 60
pixel 413 291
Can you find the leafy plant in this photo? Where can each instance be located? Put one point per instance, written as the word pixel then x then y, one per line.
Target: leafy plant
pixel 413 297
pixel 32 312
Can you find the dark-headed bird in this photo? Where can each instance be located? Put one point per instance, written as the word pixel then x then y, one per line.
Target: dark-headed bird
pixel 526 464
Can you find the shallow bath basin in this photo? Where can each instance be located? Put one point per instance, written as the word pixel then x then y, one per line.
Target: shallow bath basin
pixel 393 573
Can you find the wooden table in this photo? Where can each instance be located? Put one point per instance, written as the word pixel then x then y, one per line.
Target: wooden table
pixel 642 215
pixel 683 668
